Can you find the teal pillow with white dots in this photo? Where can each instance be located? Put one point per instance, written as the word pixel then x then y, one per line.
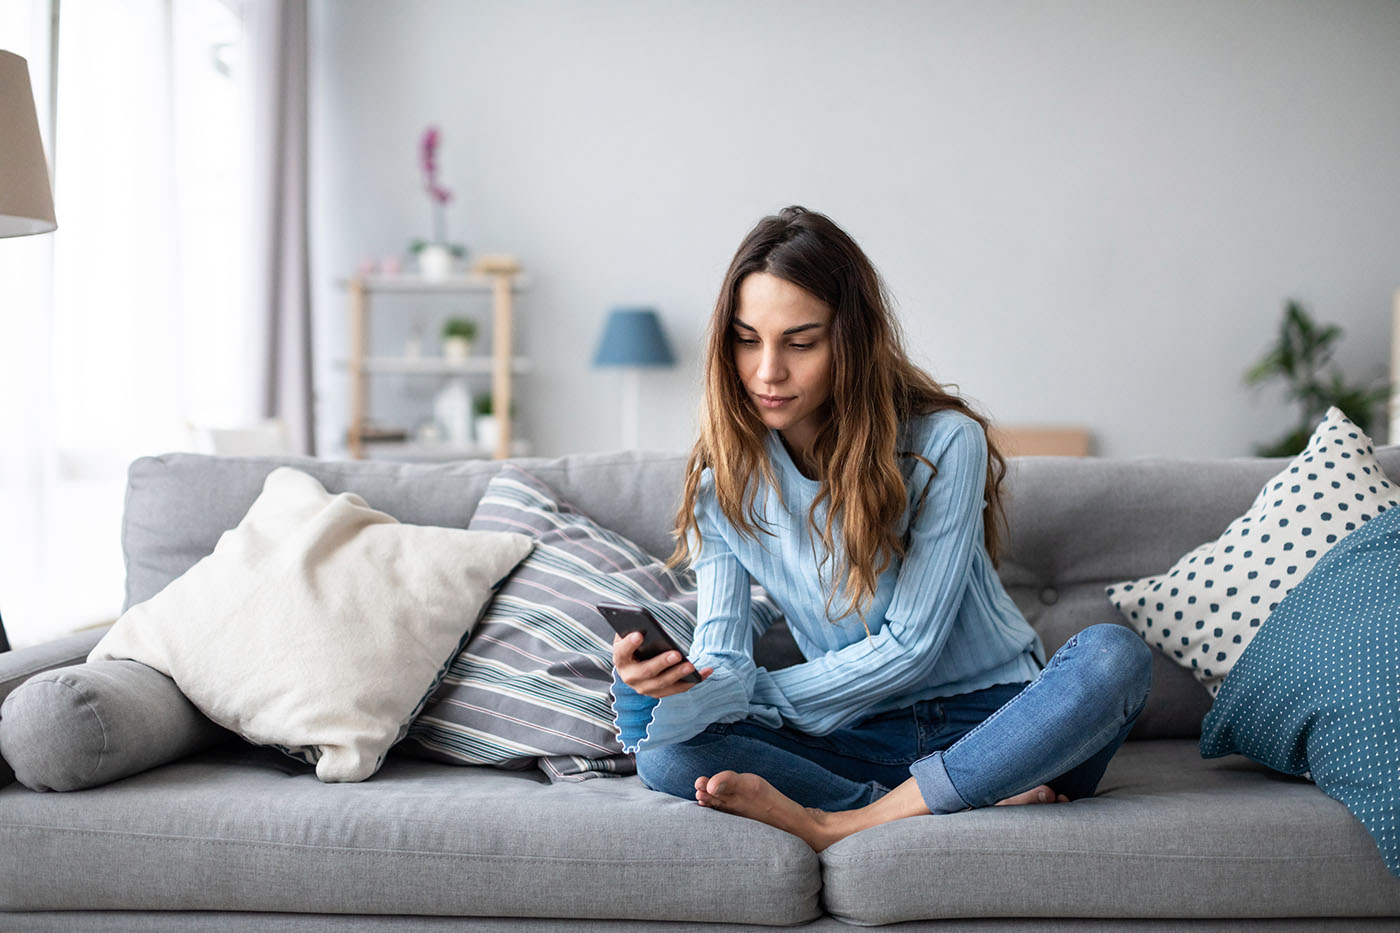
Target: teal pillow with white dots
pixel 1318 690
pixel 1203 612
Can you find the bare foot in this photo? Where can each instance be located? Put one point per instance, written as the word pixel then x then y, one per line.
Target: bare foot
pixel 1041 794
pixel 751 796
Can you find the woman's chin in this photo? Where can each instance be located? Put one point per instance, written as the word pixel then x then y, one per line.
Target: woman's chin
pixel 774 420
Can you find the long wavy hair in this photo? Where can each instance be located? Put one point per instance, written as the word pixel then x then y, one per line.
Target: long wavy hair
pixel 855 455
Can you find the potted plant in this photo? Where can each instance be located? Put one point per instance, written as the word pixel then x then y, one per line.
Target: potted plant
pixel 1298 357
pixel 457 336
pixel 488 425
pixel 488 429
pixel 435 256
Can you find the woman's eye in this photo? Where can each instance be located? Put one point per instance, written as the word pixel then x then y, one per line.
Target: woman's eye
pixel 800 346
pixel 746 341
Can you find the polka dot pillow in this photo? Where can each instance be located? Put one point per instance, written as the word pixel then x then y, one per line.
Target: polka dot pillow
pixel 1204 611
pixel 1319 690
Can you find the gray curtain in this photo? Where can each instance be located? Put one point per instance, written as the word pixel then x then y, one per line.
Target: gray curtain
pixel 281 294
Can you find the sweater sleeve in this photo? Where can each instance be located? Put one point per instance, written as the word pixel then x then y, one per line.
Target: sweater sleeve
pixel 836 688
pixel 723 640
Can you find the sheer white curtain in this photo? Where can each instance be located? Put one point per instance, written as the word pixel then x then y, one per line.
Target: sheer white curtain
pixel 128 324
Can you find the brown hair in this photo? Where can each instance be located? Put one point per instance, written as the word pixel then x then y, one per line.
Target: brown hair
pixel 874 386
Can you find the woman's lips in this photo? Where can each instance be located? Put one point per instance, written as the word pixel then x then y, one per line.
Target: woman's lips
pixel 774 401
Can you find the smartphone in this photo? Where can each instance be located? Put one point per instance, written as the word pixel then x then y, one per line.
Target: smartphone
pixel 628 619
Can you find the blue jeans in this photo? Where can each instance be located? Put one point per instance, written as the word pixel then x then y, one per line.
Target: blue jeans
pixel 970 750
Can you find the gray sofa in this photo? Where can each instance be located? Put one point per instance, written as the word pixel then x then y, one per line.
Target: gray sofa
pixel 237 837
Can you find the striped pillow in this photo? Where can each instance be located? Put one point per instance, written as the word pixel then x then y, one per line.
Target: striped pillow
pixel 533 684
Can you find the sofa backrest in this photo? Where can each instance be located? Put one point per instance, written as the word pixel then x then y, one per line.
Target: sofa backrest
pixel 1075 525
pixel 177 505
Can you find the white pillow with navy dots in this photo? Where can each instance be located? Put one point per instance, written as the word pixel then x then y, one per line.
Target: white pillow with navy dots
pixel 1205 610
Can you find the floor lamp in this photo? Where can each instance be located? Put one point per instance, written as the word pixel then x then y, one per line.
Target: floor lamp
pixel 26 198
pixel 633 340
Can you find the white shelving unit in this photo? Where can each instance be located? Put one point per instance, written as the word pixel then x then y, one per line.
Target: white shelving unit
pixel 501 282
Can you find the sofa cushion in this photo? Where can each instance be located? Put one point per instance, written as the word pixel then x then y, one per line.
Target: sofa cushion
pixel 1318 690
pixel 1167 836
pixel 533 682
pixel 1205 610
pixel 87 724
pixel 318 625
pixel 246 829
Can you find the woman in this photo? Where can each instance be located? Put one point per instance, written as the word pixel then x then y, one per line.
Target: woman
pixel 864 497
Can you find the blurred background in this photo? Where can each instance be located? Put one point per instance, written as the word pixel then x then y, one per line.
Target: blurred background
pixel 1089 214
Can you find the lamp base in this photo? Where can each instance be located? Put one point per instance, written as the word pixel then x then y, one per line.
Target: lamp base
pixel 631 401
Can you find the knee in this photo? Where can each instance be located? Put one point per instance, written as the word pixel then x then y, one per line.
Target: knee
pixel 1121 660
pixel 670 769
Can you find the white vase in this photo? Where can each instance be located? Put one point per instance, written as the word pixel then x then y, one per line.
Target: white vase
pixel 452 409
pixel 488 431
pixel 435 262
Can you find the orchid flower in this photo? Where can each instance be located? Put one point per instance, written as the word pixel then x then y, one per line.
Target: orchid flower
pixel 431 137
pixel 439 195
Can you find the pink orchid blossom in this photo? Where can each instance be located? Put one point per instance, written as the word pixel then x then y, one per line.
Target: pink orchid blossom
pixel 438 195
pixel 431 138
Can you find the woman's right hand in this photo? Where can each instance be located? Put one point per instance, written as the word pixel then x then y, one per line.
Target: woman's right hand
pixel 655 677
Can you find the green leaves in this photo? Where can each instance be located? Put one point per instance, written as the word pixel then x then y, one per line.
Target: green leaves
pixel 1298 358
pixel 457 250
pixel 459 327
pixel 1302 350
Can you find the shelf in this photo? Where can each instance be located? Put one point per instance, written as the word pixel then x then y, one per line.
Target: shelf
pixel 407 282
pixel 500 280
pixel 435 365
pixel 414 451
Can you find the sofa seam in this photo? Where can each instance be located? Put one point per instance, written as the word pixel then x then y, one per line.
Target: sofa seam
pixel 87 704
pixel 1266 859
pixel 413 853
pixel 542 464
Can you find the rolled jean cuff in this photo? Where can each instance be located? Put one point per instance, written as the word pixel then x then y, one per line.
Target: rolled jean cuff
pixel 940 796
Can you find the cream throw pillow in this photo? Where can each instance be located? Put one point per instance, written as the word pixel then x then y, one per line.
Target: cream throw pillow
pixel 318 625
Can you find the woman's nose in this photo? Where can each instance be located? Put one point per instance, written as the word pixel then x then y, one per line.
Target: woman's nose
pixel 770 367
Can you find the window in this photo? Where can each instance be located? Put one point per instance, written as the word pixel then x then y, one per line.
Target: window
pixel 135 329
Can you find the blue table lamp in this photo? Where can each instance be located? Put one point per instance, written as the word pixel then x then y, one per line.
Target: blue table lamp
pixel 633 339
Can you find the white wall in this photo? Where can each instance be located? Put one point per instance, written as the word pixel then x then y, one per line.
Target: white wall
pixel 1089 212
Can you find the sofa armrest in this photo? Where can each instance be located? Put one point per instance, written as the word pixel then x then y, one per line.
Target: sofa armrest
pixel 19 665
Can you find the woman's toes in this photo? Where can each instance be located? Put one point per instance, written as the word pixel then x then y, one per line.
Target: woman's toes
pixel 722 783
pixel 1041 794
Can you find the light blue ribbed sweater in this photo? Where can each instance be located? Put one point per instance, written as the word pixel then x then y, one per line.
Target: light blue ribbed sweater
pixel 940 623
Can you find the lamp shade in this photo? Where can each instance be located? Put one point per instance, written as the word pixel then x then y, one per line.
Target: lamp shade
pixel 26 200
pixel 633 337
